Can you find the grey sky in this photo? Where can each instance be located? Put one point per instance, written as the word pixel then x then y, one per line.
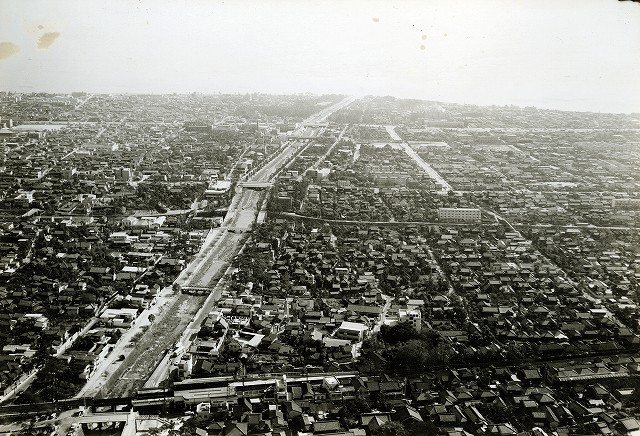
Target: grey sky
pixel 575 55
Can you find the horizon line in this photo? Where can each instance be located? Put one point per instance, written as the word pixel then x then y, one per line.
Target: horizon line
pixel 314 93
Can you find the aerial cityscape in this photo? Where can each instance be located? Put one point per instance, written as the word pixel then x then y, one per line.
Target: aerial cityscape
pixel 313 265
pixel 361 218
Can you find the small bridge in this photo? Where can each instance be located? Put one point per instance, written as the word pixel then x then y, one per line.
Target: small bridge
pixel 103 418
pixel 196 290
pixel 256 185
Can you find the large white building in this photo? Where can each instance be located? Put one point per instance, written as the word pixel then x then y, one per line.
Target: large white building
pixel 459 214
pixel 625 203
pixel 218 189
pixel 351 331
pixel 413 316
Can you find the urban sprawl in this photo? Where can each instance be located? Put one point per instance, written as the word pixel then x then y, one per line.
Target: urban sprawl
pixel 253 264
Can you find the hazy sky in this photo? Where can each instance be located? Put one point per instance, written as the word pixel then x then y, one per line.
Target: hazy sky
pixel 575 55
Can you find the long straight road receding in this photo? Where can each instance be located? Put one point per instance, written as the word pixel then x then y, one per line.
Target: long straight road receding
pixel 149 360
pixel 446 187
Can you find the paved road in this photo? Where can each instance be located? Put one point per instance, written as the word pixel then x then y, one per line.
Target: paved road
pixel 217 253
pixel 83 102
pixel 421 162
pixel 324 114
pixel 588 227
pixel 107 367
pixel 375 223
pixel 326 155
pixel 270 169
pixel 499 217
pixel 147 351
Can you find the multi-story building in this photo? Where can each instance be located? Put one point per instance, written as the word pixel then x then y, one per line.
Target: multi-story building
pixel 413 316
pixel 459 214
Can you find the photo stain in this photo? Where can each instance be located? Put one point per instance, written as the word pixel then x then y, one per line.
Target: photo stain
pixel 47 39
pixel 424 37
pixel 422 47
pixel 8 49
pixel 376 19
pixel 40 27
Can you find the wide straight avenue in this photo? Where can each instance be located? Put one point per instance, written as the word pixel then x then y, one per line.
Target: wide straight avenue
pixel 148 359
